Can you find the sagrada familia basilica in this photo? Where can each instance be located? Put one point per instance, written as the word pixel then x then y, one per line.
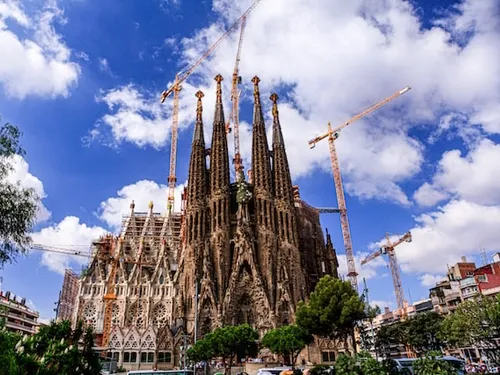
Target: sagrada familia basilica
pixel 240 252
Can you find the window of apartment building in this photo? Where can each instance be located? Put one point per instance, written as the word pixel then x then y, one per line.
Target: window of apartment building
pixel 164 357
pixel 129 357
pixel 147 357
pixel 328 356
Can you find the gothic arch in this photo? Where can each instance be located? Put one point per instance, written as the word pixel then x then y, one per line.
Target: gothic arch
pixel 131 340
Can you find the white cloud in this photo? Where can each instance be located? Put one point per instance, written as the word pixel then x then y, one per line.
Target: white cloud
pixel 361 52
pixel 39 64
pixel 441 237
pixel 142 192
pixel 473 177
pixel 67 234
pixel 427 195
pixel 20 174
pixel 369 270
pixel 104 66
pixel 430 280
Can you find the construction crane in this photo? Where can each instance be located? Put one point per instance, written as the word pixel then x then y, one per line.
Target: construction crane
pixel 388 249
pixel 235 112
pixel 175 89
pixel 60 250
pixel 332 135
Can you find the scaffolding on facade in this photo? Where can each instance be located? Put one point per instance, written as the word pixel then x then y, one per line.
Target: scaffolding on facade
pixel 67 296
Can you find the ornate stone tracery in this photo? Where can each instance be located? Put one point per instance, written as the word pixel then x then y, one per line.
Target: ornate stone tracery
pixel 250 249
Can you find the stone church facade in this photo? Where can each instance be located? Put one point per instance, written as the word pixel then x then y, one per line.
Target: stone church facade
pixel 250 250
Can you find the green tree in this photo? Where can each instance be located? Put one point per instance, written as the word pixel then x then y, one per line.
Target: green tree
pixel 475 322
pixel 8 355
pixel 58 350
pixel 430 365
pixel 203 350
pixel 18 206
pixel 421 332
pixel 229 342
pixel 287 341
pixel 333 310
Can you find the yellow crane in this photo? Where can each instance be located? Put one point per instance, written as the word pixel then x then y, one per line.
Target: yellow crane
pixel 332 135
pixel 235 112
pixel 388 249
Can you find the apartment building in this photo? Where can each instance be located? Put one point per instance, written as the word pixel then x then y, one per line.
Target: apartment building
pixel 18 317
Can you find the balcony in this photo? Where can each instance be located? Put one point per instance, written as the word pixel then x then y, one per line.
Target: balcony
pixel 20 327
pixel 470 281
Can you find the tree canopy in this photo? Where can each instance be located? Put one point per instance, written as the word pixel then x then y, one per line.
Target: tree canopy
pixel 229 342
pixel 55 350
pixel 18 205
pixel 421 333
pixel 475 322
pixel 287 341
pixel 332 311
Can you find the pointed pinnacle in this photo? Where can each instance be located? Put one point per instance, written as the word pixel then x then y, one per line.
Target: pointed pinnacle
pixel 256 92
pixel 218 78
pixel 199 95
pixel 199 105
pixel 274 98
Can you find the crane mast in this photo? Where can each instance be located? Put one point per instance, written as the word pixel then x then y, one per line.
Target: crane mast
pixel 332 135
pixel 389 249
pixel 175 89
pixel 235 115
pixel 344 222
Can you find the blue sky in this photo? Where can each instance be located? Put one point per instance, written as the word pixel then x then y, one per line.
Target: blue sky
pixel 82 78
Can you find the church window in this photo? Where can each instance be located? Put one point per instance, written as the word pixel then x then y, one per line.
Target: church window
pixel 160 315
pixel 90 314
pixel 328 356
pixel 115 314
pixel 162 279
pixel 164 357
pixel 130 357
pixel 147 357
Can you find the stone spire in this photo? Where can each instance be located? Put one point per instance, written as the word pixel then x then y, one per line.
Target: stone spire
pixel 197 183
pixel 264 199
pixel 331 255
pixel 219 157
pixel 281 170
pixel 261 168
pixel 290 272
pixel 219 200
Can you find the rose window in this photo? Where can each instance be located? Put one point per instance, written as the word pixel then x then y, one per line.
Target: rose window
pixel 90 314
pixel 160 316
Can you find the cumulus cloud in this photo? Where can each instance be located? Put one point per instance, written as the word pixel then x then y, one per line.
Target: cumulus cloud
pixel 39 64
pixel 111 211
pixel 369 270
pixel 429 280
pixel 20 174
pixel 70 233
pixel 473 177
pixel 137 116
